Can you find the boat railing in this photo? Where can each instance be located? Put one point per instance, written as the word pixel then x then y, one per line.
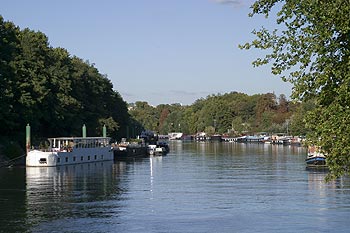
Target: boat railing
pixel 51 149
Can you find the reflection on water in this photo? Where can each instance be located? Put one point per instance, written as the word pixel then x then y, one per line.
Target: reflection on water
pixel 73 190
pixel 197 187
pixel 12 199
pixel 87 182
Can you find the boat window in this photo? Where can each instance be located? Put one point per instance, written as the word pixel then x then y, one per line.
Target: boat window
pixel 66 159
pixel 42 160
pixel 89 157
pixel 101 156
pixel 74 158
pixel 95 157
pixel 58 160
pixel 81 158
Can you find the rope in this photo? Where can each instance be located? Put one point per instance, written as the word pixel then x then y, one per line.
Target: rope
pixel 8 162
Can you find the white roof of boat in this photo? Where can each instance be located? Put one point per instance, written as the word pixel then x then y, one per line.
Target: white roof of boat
pixel 78 138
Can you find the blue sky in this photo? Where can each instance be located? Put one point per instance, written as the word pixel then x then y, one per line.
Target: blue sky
pixel 159 51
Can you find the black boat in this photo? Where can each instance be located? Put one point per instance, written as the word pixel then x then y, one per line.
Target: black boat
pixel 130 151
pixel 164 145
pixel 316 160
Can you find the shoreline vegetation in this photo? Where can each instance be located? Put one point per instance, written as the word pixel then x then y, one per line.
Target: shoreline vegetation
pixel 309 47
pixel 56 93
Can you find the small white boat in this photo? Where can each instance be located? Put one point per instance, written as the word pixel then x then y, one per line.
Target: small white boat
pixel 71 150
pixel 175 136
pixel 155 150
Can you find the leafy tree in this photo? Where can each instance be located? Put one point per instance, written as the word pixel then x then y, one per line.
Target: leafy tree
pixel 146 115
pixel 238 125
pixel 297 120
pixel 110 124
pixel 9 48
pixel 51 90
pixel 311 49
pixel 163 116
pixel 266 103
pixel 209 130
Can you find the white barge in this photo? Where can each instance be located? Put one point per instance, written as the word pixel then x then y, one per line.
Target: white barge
pixel 69 150
pixel 63 151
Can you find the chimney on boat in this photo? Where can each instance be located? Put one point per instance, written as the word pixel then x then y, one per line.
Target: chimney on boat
pixel 104 131
pixel 84 131
pixel 27 138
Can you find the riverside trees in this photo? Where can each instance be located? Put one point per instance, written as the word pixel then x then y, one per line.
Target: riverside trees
pixel 53 91
pixel 310 48
pixel 56 93
pixel 233 112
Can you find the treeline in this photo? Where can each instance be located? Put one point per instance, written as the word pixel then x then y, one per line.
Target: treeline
pixel 57 93
pixel 232 113
pixel 54 92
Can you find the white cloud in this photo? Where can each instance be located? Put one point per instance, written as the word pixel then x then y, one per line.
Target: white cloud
pixel 235 3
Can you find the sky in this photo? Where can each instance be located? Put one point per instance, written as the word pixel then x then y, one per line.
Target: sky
pixel 158 51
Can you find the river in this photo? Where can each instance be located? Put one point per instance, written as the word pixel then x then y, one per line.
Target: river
pixel 197 187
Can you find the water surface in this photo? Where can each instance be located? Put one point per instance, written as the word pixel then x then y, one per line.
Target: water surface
pixel 197 187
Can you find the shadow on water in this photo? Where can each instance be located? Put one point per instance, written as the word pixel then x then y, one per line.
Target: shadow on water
pixel 12 199
pixel 35 195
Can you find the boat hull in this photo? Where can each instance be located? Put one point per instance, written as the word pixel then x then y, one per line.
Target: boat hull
pixel 130 153
pixel 316 161
pixel 37 158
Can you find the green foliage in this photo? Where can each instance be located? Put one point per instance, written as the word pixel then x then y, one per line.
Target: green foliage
pixel 297 125
pixel 51 90
pixel 209 130
pixel 233 113
pixel 110 124
pixel 311 48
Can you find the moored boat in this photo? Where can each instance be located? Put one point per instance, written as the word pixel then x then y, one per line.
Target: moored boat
pixel 71 150
pixel 130 151
pixel 315 157
pixel 158 149
pixel 175 135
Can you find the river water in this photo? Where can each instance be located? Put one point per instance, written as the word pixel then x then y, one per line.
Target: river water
pixel 197 187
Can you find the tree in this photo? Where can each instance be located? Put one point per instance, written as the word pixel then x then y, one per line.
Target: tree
pixel 311 49
pixel 297 121
pixel 163 116
pixel 9 48
pixel 52 91
pixel 266 103
pixel 145 114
